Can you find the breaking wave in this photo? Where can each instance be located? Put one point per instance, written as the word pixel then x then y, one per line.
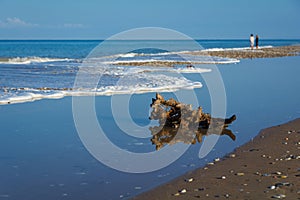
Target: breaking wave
pixel 30 60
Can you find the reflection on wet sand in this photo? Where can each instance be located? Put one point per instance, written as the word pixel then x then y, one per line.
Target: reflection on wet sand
pixel 179 123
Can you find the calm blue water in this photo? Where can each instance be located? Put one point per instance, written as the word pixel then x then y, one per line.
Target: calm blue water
pixel 42 156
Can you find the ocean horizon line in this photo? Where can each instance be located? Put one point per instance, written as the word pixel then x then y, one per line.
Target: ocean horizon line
pixel 197 39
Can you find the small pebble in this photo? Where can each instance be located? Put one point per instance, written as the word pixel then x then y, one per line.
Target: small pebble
pixel 266 175
pixel 227 195
pixel 189 180
pixel 223 177
pixel 272 187
pixel 240 174
pixel 283 176
pixel 205 168
pixel 217 160
pixel 278 196
pixel 210 163
pixel 183 191
pixel 278 173
pixel 232 155
pixel 282 184
pixel 176 194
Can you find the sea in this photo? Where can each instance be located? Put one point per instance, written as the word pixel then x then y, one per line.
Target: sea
pixel 51 92
pixel 37 69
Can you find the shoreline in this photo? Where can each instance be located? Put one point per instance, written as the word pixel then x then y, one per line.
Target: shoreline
pixel 234 53
pixel 265 167
pixel 263 52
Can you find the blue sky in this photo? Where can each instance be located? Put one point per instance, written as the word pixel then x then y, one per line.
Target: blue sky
pixel 99 19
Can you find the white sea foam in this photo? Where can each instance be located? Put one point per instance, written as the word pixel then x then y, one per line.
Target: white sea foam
pixel 33 95
pixel 139 83
pixel 208 60
pixel 29 60
pixel 234 49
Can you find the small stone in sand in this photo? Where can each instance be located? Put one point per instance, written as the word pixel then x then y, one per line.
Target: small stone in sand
pixel 183 191
pixel 240 174
pixel 272 187
pixel 232 155
pixel 189 180
pixel 283 176
pixel 176 194
pixel 278 196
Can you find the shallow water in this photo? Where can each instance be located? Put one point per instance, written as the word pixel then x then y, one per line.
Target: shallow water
pixel 42 156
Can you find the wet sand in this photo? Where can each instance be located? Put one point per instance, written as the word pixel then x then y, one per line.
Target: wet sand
pixel 267 167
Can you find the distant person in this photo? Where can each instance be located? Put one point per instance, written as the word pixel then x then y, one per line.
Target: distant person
pixel 256 41
pixel 251 41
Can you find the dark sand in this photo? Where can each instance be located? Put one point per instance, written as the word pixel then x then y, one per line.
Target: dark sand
pixel 281 51
pixel 268 167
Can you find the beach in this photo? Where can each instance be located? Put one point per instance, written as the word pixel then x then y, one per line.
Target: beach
pixel 39 141
pixel 264 168
pixel 261 52
pixel 118 100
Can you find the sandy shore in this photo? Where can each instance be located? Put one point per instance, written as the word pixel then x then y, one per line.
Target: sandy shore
pixel 281 51
pixel 268 52
pixel 265 168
